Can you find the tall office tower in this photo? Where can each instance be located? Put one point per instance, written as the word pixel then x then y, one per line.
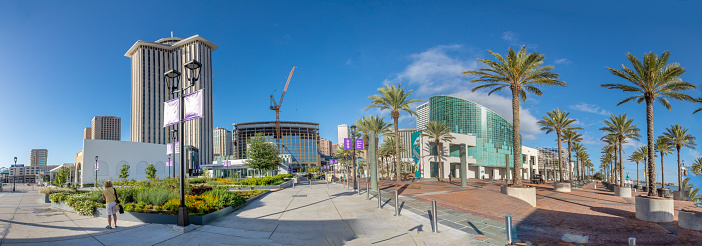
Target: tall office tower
pixel 38 157
pixel 343 132
pixel 150 89
pixel 423 115
pixel 333 150
pixel 325 147
pixel 222 142
pixel 88 133
pixel 406 140
pixel 106 128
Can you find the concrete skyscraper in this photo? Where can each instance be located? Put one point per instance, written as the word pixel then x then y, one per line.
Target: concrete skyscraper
pixel 150 89
pixel 37 157
pixel 343 132
pixel 423 115
pixel 222 142
pixel 106 128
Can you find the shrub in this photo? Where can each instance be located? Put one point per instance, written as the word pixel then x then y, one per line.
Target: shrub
pixel 249 193
pixel 227 198
pixel 96 196
pixel 155 196
pixel 59 197
pixel 197 205
pixel 196 180
pixel 197 190
pixel 52 190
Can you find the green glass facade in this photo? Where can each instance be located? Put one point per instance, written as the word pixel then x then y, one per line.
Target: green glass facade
pixel 493 133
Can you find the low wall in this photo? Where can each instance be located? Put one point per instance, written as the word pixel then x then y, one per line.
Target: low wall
pixel 525 194
pixel 622 191
pixel 690 220
pixel 162 218
pixel 654 209
pixel 561 186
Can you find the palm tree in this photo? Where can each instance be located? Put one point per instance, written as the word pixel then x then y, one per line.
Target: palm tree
pixel 678 137
pixel 622 127
pixel 644 153
pixel 376 124
pixel 388 147
pixel 696 167
pixel 570 136
pixel 557 121
pixel 345 154
pixel 394 99
pixel 438 132
pixel 652 79
pixel 636 157
pixel 579 153
pixel 520 73
pixel 664 147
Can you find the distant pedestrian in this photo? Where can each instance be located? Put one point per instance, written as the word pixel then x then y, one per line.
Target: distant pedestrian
pixel 449 178
pixel 110 196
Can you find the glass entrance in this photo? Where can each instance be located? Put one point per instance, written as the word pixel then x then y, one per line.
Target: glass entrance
pixel 434 169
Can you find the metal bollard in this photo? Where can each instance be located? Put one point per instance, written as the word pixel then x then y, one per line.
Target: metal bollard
pixel 367 192
pixel 326 181
pixel 508 228
pixel 380 200
pixel 434 217
pixel 397 204
pixel 595 187
pixel 310 181
pixel 632 241
pixel 293 182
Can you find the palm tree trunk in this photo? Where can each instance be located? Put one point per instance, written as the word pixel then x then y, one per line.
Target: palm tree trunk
pixel 679 174
pixel 651 161
pixel 621 163
pixel 662 172
pixel 560 157
pixel 570 172
pixel 516 140
pixel 395 117
pixel 438 155
pixel 637 173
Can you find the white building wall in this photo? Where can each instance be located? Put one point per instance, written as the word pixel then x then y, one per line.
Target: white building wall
pixel 446 159
pixel 112 154
pixel 342 132
pixel 422 115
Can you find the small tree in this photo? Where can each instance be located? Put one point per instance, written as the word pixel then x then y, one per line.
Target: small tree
pixel 124 172
pixel 61 176
pixel 150 171
pixel 314 170
pixel 262 155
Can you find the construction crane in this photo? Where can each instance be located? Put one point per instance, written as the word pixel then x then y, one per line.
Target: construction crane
pixel 292 157
pixel 276 106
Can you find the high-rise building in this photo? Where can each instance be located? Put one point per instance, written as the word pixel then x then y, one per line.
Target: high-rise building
pixel 222 142
pixel 150 89
pixel 406 140
pixel 106 128
pixel 325 146
pixel 299 139
pixel 333 149
pixel 343 132
pixel 37 157
pixel 88 133
pixel 423 115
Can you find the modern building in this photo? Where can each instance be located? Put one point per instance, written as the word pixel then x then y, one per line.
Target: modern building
pixel 38 157
pixel 422 115
pixel 88 133
pixel 342 132
pixel 493 133
pixel 106 128
pixel 406 141
pixel 4 173
pixel 300 139
pixel 27 174
pixel 548 161
pixel 150 89
pixel 333 149
pixel 111 155
pixel 222 142
pixel 325 147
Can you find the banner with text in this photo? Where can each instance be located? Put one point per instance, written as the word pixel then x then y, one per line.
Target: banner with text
pixel 171 112
pixel 171 146
pixel 193 105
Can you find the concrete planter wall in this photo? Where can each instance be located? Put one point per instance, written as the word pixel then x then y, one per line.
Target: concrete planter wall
pixel 561 186
pixel 622 191
pixel 680 195
pixel 654 209
pixel 46 199
pixel 690 220
pixel 527 194
pixel 162 218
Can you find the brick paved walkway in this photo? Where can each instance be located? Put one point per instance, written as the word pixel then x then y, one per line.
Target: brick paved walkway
pixel 480 208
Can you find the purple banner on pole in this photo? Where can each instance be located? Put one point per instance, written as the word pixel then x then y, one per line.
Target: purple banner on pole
pixel 171 146
pixel 168 163
pixel 171 112
pixel 97 165
pixel 348 145
pixel 359 144
pixel 193 105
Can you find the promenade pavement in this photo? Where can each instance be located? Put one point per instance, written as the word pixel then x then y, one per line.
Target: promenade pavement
pixel 306 215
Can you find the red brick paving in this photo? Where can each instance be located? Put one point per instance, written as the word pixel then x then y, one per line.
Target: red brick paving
pixel 597 213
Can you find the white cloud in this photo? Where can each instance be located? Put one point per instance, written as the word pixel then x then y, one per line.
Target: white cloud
pixel 590 108
pixel 694 153
pixel 437 71
pixel 562 61
pixel 512 39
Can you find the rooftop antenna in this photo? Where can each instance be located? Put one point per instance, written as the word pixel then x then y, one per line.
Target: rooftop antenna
pixel 171 34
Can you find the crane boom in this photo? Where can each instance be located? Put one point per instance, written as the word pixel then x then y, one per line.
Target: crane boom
pixel 276 107
pixel 286 87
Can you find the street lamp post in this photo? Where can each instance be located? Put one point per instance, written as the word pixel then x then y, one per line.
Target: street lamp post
pixel 13 176
pixel 97 166
pixel 173 75
pixel 355 168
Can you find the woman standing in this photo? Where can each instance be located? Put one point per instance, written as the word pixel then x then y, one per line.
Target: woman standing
pixel 109 194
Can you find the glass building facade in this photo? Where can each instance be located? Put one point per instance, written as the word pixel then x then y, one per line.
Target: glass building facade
pixel 493 132
pixel 300 139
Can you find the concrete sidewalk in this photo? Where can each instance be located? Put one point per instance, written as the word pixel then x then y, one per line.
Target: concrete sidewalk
pixel 306 215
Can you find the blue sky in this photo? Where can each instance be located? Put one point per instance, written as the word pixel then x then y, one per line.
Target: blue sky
pixel 64 62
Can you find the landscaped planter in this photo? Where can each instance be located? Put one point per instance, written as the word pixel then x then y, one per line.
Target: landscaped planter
pixel 527 194
pixel 622 191
pixel 680 195
pixel 46 199
pixel 690 220
pixel 644 188
pixel 561 187
pixel 664 193
pixel 654 209
pixel 162 218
